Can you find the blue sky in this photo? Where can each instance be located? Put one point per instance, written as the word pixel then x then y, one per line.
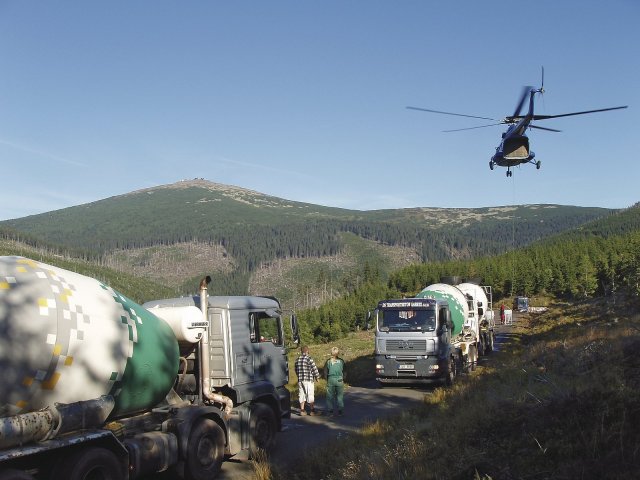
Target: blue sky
pixel 306 100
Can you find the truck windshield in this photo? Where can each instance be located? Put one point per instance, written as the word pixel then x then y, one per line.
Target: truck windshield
pixel 522 303
pixel 393 320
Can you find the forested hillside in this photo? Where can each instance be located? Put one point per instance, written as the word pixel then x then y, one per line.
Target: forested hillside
pixel 596 259
pixel 601 258
pixel 253 230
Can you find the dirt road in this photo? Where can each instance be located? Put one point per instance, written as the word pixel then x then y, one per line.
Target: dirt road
pixel 363 404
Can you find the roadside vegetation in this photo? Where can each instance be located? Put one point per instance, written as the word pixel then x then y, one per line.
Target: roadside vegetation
pixel 559 400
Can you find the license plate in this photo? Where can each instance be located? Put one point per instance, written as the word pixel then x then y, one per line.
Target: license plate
pixel 407 367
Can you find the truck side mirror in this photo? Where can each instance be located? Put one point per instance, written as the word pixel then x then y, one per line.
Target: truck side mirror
pixel 252 327
pixel 444 326
pixel 295 333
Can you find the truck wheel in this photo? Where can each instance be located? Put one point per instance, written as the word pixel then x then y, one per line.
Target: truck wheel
pixel 262 428
pixel 473 358
pixel 459 359
pixel 452 372
pixel 205 451
pixel 90 463
pixel 11 474
pixel 490 345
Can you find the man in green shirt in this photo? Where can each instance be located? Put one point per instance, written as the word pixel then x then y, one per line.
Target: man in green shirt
pixel 334 373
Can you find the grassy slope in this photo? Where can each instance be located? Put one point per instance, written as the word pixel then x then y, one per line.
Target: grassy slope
pixel 561 400
pixel 309 282
pixel 171 264
pixel 137 288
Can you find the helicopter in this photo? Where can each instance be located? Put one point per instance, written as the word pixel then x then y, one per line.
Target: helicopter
pixel 514 146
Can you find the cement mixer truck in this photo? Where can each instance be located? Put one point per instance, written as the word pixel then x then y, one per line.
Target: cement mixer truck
pixel 94 385
pixel 433 336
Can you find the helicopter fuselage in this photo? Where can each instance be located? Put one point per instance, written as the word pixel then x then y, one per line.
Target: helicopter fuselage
pixel 514 147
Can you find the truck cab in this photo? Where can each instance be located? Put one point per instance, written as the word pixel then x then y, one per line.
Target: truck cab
pixel 247 362
pixel 521 304
pixel 413 341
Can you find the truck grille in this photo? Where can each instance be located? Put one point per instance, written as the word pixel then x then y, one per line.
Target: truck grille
pixel 406 346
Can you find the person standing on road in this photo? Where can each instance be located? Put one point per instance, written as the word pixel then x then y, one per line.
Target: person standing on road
pixel 502 314
pixel 334 373
pixel 308 374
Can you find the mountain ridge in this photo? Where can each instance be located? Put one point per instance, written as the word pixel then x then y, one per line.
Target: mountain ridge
pixel 237 193
pixel 247 230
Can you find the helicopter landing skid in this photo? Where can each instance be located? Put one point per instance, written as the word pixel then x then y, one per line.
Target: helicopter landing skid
pixel 537 163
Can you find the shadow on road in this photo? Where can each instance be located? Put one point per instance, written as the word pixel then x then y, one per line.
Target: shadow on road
pixel 364 404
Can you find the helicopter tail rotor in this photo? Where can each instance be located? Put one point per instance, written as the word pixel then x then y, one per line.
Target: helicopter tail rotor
pixel 542 91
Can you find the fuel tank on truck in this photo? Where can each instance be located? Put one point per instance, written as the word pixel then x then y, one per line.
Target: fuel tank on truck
pixel 65 337
pixel 457 303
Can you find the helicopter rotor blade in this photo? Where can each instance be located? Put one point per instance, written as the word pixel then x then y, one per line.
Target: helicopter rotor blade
pixel 523 97
pixel 473 128
pixel 449 113
pixel 546 117
pixel 544 128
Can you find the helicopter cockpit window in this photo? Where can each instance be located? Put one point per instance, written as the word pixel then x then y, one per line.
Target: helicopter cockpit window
pixel 408 320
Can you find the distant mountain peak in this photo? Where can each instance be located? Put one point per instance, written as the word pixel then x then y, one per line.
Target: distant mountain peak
pixel 239 194
pixel 201 183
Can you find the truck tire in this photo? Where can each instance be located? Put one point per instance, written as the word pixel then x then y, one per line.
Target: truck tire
pixel 205 450
pixel 89 463
pixel 452 372
pixel 473 358
pixel 459 364
pixel 11 474
pixel 490 343
pixel 262 428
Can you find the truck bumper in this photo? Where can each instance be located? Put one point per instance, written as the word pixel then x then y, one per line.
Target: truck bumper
pixel 285 402
pixel 393 370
